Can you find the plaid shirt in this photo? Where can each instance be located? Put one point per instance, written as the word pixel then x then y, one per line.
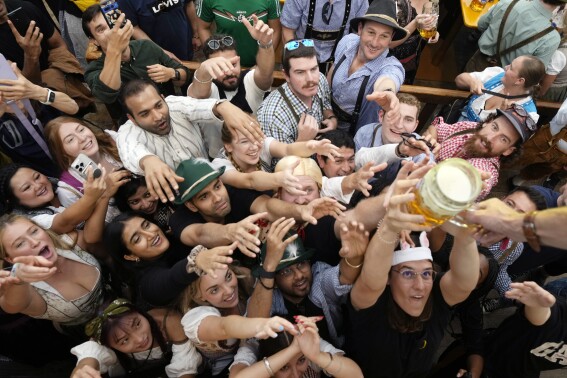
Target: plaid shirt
pixel 453 147
pixel 280 122
pixel 505 252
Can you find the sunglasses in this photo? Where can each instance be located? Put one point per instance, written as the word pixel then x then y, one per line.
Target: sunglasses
pixel 407 136
pixel 293 45
pixel 528 120
pixel 215 44
pixel 327 12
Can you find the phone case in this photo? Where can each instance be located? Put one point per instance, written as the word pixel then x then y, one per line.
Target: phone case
pixel 110 11
pixel 81 163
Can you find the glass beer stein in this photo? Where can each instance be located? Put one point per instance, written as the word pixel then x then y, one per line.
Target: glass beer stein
pixel 449 188
pixel 430 7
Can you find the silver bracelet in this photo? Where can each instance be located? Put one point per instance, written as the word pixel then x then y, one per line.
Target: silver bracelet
pixel 267 45
pixel 268 367
pixel 201 81
pixel 192 261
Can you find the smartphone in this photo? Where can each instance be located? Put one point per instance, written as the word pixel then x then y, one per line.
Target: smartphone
pixel 20 20
pixel 6 71
pixel 110 11
pixel 82 163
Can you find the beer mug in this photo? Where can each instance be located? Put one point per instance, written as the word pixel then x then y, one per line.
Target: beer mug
pixel 478 5
pixel 430 7
pixel 449 188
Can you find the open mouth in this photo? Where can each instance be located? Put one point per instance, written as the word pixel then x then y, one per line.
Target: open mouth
pixel 301 284
pixel 162 125
pixel 88 145
pixel 45 252
pixel 42 191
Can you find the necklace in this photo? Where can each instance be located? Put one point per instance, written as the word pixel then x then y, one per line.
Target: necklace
pixel 237 167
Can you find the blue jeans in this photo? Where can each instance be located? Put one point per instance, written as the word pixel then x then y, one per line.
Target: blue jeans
pixel 558 288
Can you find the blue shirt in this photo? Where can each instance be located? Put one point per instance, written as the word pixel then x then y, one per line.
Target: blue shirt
pixel 295 12
pixel 345 88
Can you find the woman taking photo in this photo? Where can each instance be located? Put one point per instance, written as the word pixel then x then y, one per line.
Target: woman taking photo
pixel 304 355
pixel 156 269
pixel 67 138
pixel 214 306
pixel 128 341
pixel 51 277
pixel 26 191
pixel 517 83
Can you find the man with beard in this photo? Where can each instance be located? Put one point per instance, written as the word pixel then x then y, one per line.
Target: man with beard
pixel 220 76
pixel 162 132
pixel 484 144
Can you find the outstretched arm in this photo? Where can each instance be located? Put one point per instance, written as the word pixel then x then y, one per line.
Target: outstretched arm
pixel 538 301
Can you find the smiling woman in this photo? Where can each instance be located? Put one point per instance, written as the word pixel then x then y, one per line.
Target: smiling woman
pixel 51 277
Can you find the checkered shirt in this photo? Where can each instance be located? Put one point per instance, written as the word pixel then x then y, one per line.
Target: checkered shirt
pixel 280 122
pixel 505 252
pixel 453 147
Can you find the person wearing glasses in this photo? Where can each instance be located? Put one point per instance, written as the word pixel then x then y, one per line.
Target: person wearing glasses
pixel 220 76
pixel 301 108
pixel 325 21
pixel 124 60
pixel 484 144
pixel 496 87
pixel 399 306
pixel 363 67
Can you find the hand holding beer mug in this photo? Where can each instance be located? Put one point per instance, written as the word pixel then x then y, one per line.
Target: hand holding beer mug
pixel 449 188
pixel 427 26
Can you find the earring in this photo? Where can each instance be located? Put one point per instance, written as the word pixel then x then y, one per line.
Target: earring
pixel 137 259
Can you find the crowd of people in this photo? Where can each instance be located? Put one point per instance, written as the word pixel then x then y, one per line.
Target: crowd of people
pixel 227 227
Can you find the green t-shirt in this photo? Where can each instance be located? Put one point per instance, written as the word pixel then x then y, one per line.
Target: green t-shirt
pixel 227 15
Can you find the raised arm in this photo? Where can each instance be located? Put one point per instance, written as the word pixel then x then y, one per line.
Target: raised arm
pixel 260 302
pixel 462 277
pixel 538 301
pixel 378 258
pixel 215 328
pixel 117 42
pixel 266 37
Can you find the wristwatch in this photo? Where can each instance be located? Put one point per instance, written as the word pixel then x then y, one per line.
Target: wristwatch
pixel 50 99
pixel 177 74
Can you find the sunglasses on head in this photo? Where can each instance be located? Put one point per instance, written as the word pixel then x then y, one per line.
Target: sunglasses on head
pixel 215 44
pixel 528 120
pixel 293 45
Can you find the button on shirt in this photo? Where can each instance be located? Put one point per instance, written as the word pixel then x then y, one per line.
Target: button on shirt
pixel 183 141
pixel 345 88
pixel 295 12
pixel 453 148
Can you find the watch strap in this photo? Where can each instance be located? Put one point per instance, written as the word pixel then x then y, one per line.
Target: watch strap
pixel 530 232
pixel 50 97
pixel 177 74
pixel 263 274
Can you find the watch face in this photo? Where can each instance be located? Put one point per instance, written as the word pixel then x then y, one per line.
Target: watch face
pixel 51 97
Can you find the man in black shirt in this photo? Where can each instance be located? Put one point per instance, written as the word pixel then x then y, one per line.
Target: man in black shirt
pixel 214 214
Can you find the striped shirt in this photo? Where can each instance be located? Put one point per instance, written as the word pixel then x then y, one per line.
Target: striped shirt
pixel 184 140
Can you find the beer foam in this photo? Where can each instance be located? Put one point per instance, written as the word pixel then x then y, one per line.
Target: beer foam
pixel 454 183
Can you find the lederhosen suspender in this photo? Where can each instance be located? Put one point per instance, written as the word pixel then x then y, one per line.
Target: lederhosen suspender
pixel 281 90
pixel 340 113
pixel 326 35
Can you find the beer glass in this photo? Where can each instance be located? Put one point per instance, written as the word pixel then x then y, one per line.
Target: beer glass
pixel 449 188
pixel 478 5
pixel 430 7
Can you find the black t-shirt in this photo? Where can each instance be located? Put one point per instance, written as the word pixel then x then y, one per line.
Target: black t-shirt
pixel 21 19
pixel 520 349
pixel 240 202
pixel 381 351
pixel 322 238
